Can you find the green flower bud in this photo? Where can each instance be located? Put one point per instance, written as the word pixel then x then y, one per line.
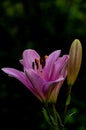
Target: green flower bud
pixel 74 63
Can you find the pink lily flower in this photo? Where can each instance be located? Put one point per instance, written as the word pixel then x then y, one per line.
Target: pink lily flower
pixel 42 76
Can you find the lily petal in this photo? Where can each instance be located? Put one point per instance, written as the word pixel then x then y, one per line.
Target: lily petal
pixel 50 86
pixel 49 63
pixel 21 61
pixel 37 82
pixel 16 74
pixel 55 92
pixel 29 56
pixel 59 68
pixel 22 78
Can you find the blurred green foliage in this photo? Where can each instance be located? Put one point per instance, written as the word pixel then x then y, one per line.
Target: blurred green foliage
pixel 44 26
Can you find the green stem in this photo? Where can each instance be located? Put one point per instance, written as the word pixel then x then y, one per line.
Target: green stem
pixel 49 114
pixel 55 116
pixel 67 100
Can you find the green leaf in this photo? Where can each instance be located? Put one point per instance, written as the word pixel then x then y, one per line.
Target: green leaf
pixel 45 115
pixel 68 100
pixel 70 117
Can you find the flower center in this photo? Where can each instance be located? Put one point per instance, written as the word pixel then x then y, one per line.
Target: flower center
pixel 39 64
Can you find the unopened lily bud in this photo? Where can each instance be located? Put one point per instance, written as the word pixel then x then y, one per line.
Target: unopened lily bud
pixel 74 63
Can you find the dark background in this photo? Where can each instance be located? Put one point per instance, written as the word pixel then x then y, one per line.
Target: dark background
pixel 43 25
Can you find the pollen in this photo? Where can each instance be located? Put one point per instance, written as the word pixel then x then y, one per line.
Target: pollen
pixel 45 56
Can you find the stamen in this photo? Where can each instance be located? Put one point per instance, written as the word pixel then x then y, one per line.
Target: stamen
pixel 43 61
pixel 37 63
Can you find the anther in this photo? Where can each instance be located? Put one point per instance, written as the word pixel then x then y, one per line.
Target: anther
pixel 45 57
pixel 37 63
